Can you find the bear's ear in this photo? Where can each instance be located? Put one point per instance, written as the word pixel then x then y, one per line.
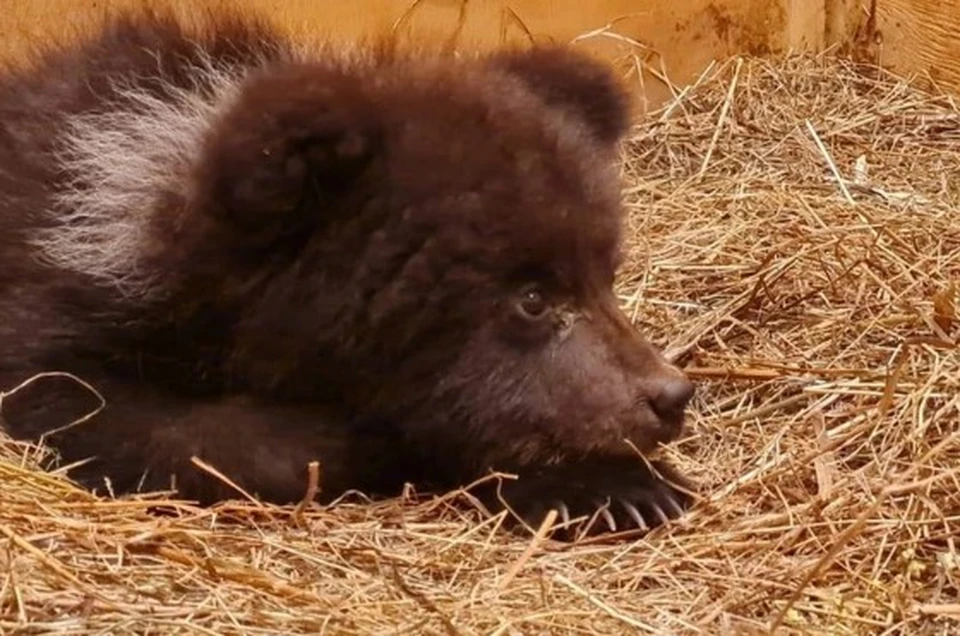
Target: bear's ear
pixel 573 81
pixel 288 149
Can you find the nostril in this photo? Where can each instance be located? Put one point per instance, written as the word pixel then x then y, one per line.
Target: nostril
pixel 673 396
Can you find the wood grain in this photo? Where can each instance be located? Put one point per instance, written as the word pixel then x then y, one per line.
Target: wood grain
pixel 671 39
pixel 921 37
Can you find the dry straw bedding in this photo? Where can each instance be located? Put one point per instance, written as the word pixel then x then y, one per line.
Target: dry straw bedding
pixel 818 315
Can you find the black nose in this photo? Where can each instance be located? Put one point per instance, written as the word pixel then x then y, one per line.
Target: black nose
pixel 672 397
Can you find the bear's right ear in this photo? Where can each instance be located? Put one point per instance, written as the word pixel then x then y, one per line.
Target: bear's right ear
pixel 287 149
pixel 573 81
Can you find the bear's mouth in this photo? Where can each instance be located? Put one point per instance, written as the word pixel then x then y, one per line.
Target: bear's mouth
pixel 647 430
pixel 671 428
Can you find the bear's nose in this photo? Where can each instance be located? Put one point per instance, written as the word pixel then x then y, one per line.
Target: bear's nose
pixel 672 396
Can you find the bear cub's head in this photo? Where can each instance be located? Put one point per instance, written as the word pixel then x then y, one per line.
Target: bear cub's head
pixel 433 243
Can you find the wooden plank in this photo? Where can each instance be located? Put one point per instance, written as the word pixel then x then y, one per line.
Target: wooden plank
pixel 678 38
pixel 921 36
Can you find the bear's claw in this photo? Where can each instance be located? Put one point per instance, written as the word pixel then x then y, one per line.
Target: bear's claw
pixel 592 500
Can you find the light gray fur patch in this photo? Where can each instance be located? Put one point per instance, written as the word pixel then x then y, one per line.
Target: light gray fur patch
pixel 121 161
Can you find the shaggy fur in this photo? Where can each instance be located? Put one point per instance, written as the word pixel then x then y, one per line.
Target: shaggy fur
pixel 400 266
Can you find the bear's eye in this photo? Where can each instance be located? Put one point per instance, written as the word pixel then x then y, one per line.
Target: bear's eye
pixel 532 304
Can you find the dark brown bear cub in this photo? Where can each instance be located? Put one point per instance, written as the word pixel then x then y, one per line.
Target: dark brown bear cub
pixel 398 265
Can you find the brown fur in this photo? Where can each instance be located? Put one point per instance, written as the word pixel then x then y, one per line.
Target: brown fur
pixel 341 273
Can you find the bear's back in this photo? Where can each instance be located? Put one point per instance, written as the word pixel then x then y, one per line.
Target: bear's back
pixel 56 100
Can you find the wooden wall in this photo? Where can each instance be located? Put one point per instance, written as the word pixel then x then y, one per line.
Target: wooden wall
pixel 921 36
pixel 670 40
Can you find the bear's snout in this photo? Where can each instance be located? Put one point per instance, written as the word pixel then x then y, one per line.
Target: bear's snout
pixel 668 395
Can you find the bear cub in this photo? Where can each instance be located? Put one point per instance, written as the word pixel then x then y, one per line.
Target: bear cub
pixel 399 265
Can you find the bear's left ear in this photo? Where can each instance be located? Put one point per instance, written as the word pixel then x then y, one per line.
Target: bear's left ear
pixel 573 81
pixel 290 147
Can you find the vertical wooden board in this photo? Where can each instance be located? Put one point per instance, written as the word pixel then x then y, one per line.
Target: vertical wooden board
pixel 805 24
pixel 843 21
